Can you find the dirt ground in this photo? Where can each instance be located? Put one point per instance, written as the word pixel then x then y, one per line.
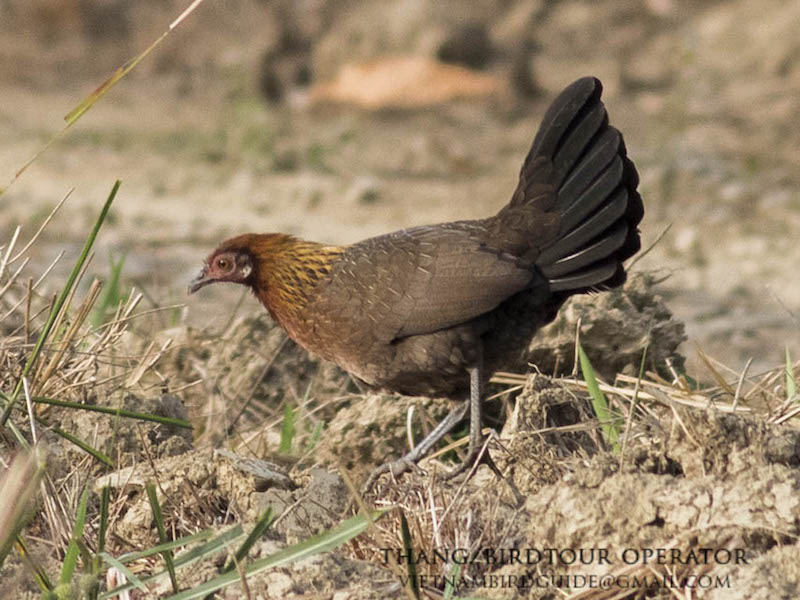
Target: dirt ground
pixel 707 97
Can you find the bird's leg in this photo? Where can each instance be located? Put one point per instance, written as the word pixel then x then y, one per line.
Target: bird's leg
pixel 475 434
pixel 444 427
pixel 475 399
pixel 476 451
pixel 410 460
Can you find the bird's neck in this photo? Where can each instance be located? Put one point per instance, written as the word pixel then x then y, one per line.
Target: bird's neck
pixel 288 269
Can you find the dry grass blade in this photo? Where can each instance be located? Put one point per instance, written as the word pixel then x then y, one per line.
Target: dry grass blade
pixel 151 357
pixel 101 91
pixel 677 394
pixel 647 250
pixel 789 415
pixel 17 489
pixel 31 288
pixel 65 293
pixel 634 401
pixel 46 370
pixel 715 373
pixel 11 244
pixel 13 278
pixel 29 406
pixel 650 390
pixel 791 385
pixel 42 227
pixel 741 382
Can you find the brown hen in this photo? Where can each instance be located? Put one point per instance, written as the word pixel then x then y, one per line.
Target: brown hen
pixel 435 310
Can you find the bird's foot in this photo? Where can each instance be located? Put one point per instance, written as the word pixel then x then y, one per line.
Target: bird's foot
pixel 477 455
pixel 394 468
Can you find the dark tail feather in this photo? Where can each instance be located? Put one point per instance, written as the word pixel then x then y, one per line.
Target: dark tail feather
pixel 592 189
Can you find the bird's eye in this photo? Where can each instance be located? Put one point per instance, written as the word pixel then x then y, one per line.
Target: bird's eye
pixel 223 264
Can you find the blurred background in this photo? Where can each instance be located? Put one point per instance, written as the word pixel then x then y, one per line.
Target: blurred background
pixel 341 119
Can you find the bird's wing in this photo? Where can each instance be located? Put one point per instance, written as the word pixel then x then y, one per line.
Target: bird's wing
pixel 430 278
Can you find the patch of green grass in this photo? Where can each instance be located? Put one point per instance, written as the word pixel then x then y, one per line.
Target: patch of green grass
pixel 452 576
pixel 158 517
pixel 408 550
pixel 86 581
pixel 288 430
pixel 70 562
pixel 609 424
pixel 324 542
pixel 111 296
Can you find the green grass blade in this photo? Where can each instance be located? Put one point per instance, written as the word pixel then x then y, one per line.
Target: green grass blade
pixel 39 574
pixel 264 521
pixel 187 558
pixel 314 438
pixel 119 566
pixel 105 500
pixel 449 588
pixel 287 430
pixel 316 545
pixel 87 247
pixel 111 296
pixel 408 547
pixel 791 383
pixel 96 454
pixel 117 412
pixel 608 423
pixel 170 545
pixel 20 437
pixel 211 547
pixel 71 557
pixel 162 533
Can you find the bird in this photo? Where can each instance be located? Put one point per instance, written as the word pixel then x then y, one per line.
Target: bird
pixel 434 310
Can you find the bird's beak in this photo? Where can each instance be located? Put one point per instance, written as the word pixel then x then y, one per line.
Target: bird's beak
pixel 199 281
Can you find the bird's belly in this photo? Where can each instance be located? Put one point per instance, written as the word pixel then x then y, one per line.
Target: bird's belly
pixel 431 364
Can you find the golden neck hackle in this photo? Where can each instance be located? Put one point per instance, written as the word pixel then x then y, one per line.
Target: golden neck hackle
pixel 287 271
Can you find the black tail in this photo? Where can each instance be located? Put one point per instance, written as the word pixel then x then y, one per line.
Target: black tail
pixel 578 171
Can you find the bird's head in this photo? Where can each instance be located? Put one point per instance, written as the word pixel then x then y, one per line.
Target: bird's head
pixel 229 265
pixel 281 270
